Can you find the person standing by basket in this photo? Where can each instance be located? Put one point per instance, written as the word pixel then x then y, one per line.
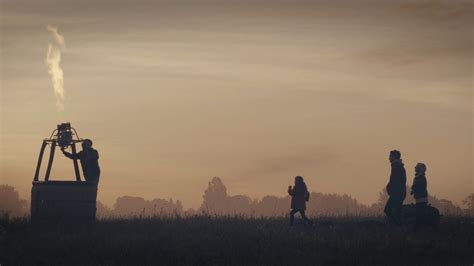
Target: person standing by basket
pixel 89 158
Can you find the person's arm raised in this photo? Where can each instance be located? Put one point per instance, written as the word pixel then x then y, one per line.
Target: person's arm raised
pixel 69 155
pixel 290 191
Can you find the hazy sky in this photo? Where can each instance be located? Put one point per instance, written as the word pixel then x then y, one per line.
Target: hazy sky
pixel 256 92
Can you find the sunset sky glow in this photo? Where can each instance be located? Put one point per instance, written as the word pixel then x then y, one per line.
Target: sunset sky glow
pixel 256 92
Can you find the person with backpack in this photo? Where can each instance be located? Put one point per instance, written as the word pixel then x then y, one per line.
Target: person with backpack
pixel 299 196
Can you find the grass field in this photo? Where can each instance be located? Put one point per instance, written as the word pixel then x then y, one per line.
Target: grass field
pixel 201 240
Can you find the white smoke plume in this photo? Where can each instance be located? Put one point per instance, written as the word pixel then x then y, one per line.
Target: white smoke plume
pixel 53 60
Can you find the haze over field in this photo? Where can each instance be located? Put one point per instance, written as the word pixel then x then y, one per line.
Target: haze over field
pixel 256 92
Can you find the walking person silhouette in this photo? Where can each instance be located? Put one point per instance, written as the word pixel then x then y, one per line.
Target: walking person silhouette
pixel 420 193
pixel 418 189
pixel 396 188
pixel 299 195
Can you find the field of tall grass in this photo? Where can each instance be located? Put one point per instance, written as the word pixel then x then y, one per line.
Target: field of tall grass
pixel 208 240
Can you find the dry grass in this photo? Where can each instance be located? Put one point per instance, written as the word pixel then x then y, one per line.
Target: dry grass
pixel 202 240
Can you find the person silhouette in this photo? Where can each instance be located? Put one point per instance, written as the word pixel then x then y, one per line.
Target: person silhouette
pixel 418 188
pixel 89 158
pixel 396 188
pixel 420 193
pixel 299 195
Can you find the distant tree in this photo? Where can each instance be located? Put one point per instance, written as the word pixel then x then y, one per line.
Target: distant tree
pixel 333 204
pixel 127 205
pixel 469 203
pixel 215 199
pixel 241 204
pixel 10 202
pixel 446 207
pixel 138 206
pixel 273 206
pixel 103 211
pixel 190 212
pixel 383 196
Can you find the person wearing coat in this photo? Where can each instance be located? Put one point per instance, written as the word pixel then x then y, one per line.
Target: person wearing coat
pixel 299 195
pixel 418 189
pixel 420 193
pixel 89 158
pixel 396 188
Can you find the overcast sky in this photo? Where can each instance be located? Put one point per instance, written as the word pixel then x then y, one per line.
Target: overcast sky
pixel 176 92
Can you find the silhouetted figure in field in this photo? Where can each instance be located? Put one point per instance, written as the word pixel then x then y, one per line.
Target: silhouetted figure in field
pixel 418 189
pixel 89 158
pixel 420 193
pixel 299 195
pixel 396 188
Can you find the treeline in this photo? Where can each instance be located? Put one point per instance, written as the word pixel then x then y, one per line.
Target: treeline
pixel 137 206
pixel 10 202
pixel 216 201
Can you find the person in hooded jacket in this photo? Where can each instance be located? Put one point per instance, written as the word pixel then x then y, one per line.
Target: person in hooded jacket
pixel 299 195
pixel 420 193
pixel 418 188
pixel 396 188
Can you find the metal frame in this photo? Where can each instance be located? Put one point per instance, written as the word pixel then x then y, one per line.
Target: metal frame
pixel 52 141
